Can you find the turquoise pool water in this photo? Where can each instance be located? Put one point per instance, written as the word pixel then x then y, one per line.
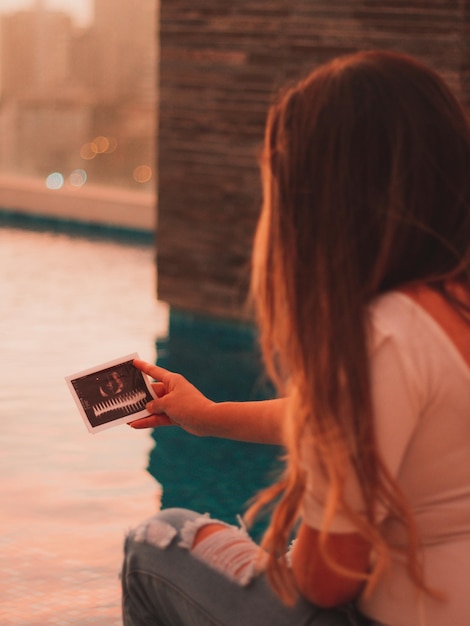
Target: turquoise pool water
pixel 222 360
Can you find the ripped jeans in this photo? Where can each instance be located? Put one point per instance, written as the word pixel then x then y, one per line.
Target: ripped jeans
pixel 166 582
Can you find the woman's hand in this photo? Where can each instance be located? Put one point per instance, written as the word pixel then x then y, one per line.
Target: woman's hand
pixel 178 402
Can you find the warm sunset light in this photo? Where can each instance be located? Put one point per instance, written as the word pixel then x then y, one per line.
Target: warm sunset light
pixel 80 10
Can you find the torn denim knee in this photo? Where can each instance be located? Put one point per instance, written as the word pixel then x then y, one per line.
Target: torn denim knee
pixel 190 528
pixel 229 551
pixel 160 533
pixel 154 532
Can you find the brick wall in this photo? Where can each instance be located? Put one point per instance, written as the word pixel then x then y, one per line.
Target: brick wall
pixel 221 63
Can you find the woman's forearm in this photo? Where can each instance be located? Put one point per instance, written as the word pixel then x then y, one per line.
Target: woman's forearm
pixel 177 402
pixel 256 422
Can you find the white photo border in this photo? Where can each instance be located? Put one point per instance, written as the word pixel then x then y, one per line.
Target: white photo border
pixel 106 397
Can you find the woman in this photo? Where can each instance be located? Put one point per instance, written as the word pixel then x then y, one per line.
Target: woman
pixel 361 279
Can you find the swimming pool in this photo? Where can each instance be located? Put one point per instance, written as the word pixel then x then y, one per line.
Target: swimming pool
pixel 72 300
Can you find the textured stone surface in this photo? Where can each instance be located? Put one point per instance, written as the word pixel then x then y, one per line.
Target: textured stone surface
pixel 221 64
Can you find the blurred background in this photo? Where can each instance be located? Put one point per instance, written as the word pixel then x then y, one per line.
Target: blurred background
pixel 78 92
pixel 78 278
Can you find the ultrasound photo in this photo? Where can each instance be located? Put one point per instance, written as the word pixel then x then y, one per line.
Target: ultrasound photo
pixel 110 394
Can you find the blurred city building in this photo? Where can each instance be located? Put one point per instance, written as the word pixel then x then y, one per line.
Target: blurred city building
pixel 78 104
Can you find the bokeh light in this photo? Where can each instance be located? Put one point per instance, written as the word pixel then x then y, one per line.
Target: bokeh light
pixel 55 181
pixel 78 178
pixel 88 151
pixel 112 145
pixel 100 144
pixel 142 174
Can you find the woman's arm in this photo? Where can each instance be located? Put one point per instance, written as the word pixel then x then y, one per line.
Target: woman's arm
pixel 315 579
pixel 180 403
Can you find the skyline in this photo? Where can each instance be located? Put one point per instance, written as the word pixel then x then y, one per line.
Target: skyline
pixel 78 107
pixel 80 10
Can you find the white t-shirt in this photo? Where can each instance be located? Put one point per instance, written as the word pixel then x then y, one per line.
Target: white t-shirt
pixel 421 396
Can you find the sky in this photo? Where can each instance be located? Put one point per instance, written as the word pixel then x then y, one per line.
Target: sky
pixel 81 10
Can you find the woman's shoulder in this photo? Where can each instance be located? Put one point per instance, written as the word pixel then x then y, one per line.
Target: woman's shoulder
pixel 421 317
pixel 394 314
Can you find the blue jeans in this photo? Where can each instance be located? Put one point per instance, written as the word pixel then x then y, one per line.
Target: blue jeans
pixel 167 583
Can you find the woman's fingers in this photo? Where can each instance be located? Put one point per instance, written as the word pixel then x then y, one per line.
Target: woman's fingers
pixel 158 373
pixel 153 421
pixel 177 401
pixel 159 389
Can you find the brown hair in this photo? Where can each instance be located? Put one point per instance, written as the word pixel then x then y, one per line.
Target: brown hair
pixel 366 177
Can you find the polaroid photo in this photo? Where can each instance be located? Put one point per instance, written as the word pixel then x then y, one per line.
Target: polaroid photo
pixel 110 394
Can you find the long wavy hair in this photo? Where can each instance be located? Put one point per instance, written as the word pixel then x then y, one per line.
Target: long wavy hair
pixel 366 181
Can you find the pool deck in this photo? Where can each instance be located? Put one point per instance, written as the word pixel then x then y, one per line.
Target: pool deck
pixel 62 531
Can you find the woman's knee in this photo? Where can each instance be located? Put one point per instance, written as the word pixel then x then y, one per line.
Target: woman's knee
pixel 230 551
pixel 176 517
pixel 160 529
